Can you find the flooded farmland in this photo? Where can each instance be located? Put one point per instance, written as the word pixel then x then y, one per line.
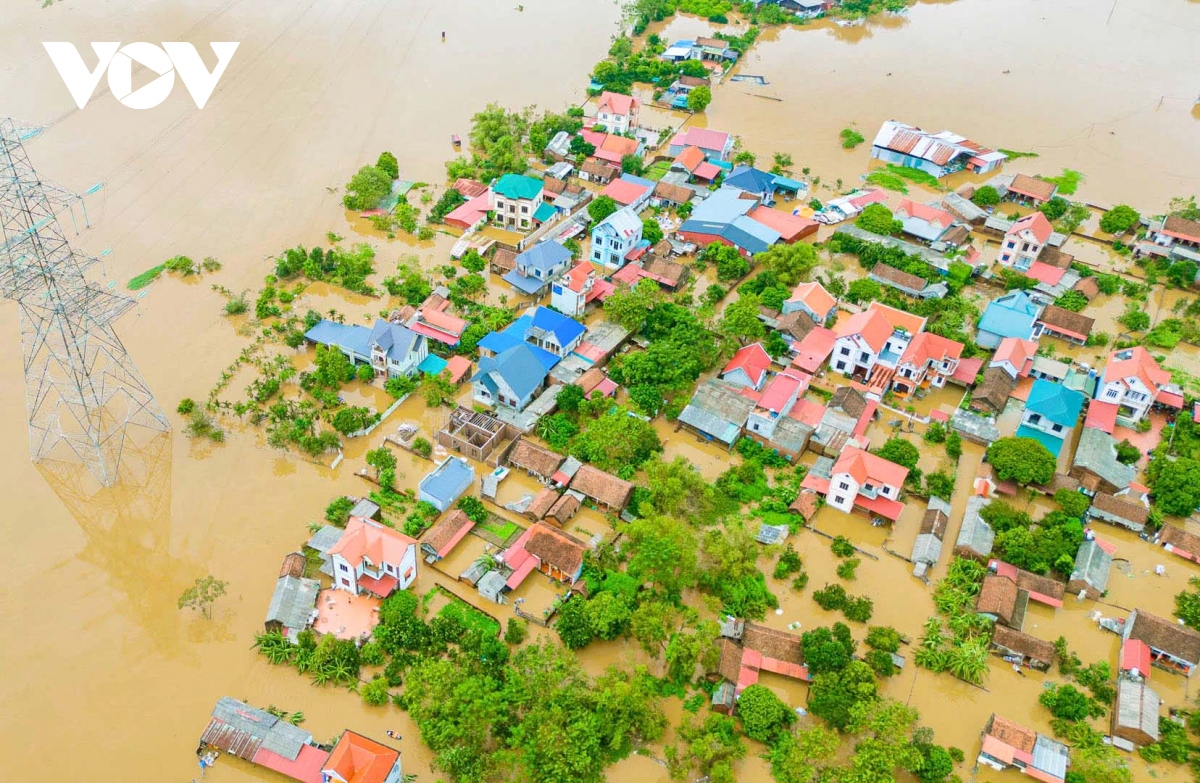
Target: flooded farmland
pixel 105 679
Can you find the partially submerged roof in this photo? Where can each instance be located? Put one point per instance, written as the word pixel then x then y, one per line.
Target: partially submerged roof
pixel 604 488
pixel 1023 643
pixel 447 532
pixel 1092 565
pixel 1161 634
pixel 534 458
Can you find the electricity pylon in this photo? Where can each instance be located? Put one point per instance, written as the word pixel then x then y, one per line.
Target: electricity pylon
pixel 83 394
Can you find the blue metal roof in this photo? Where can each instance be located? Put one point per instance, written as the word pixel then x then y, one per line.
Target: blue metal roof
pixel 564 328
pixel 499 342
pixel 544 256
pixel 1055 402
pixel 544 212
pixel 520 367
pixel 352 338
pixel 1012 315
pixel 432 364
pixel 524 283
pixel 448 480
pixel 645 183
pixel 751 180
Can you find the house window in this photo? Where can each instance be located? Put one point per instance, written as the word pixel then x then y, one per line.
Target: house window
pixel 844 485
pixel 1034 418
pixel 841 365
pixel 1005 257
pixel 343 566
pixel 1113 392
pixel 1011 244
pixel 845 352
pixel 1025 247
pixel 839 500
pixel 864 357
pixel 597 255
pixel 408 574
pixel 1057 428
pixel 524 209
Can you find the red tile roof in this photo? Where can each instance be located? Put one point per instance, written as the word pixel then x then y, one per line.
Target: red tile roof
pixel 864 466
pixel 1181 228
pixel 690 158
pixel 469 188
pixel 1135 655
pixel 306 767
pixel 1044 273
pixel 1036 223
pixel 1034 188
pixel 930 214
pixel 364 538
pixel 814 349
pixel 872 325
pixel 753 360
pixel 707 171
pixel 1140 364
pixel 357 759
pixel 899 319
pixel 616 103
pixel 1017 352
pixel 457 367
pixel 814 297
pixel 781 388
pixel 1101 416
pixel 701 137
pixel 623 191
pixel 790 227
pixel 927 347
pixel 808 412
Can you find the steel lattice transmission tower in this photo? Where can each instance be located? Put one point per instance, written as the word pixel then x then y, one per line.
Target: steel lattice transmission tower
pixel 82 392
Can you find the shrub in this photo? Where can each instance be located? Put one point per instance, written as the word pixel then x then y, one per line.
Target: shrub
pixel 842 547
pixel 846 568
pixel 859 609
pixel 186 406
pixel 830 597
pixel 852 138
pixel 375 693
pixel 954 445
pixel 935 432
pixel 422 447
pixel 516 631
pixel 986 196
pixel 1023 460
pixel 789 563
pixel 764 716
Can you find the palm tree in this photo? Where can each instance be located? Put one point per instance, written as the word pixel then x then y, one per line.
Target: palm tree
pixel 968 661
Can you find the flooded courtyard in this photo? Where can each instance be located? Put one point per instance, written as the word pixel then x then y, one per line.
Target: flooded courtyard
pixel 107 679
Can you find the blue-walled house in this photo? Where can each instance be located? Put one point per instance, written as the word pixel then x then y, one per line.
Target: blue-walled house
pixel 1051 412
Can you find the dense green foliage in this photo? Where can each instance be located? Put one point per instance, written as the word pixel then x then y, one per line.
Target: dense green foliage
pixel 1023 460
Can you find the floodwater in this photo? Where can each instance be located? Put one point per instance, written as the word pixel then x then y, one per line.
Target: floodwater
pixel 1024 75
pixel 106 677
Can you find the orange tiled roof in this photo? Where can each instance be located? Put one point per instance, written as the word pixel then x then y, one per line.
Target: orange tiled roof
pixel 814 296
pixel 913 324
pixel 872 325
pixel 1016 352
pixel 927 346
pixel 865 466
pixel 1140 364
pixel 617 103
pixel 690 158
pixel 357 759
pixel 1036 223
pixel 925 212
pixel 364 538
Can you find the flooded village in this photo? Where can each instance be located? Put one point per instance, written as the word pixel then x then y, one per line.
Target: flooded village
pixel 752 407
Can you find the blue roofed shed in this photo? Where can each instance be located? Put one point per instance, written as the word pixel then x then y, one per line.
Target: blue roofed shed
pixel 544 212
pixel 517 186
pixel 444 485
pixel 1055 402
pixel 1012 315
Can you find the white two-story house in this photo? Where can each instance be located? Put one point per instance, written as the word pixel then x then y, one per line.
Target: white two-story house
pixel 1024 240
pixel 813 300
pixel 617 113
pixel 878 335
pixel 514 199
pixel 927 362
pixel 577 289
pixel 1132 381
pixel 396 350
pixel 860 478
pixel 615 237
pixel 372 558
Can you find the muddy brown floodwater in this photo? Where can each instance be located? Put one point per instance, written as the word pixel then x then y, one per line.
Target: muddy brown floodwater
pixel 104 678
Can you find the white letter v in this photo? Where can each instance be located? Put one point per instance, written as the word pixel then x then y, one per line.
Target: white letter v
pixel 80 82
pixel 199 82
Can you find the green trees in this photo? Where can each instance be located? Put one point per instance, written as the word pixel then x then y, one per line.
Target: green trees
pixel 367 188
pixel 384 461
pixel 202 595
pixel 877 219
pixel 789 263
pixel 633 164
pixel 900 451
pixel 827 649
pixel 729 262
pixel 833 695
pixel 651 231
pixel 388 164
pixel 601 207
pixel 1068 703
pixel 864 290
pixel 1055 208
pixel 1135 319
pixel 1187 604
pixel 709 747
pixel 764 717
pixel 630 307
pixel 446 204
pixel 616 440
pixel 699 98
pixel 662 553
pixel 986 196
pixel 352 419
pixel 740 320
pixel 375 693
pixel 1023 460
pixel 1072 502
pixel 1072 300
pixel 1177 486
pixel 1119 219
pixel 850 138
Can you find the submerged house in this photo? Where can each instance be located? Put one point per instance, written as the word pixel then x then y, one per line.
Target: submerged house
pixel 1173 647
pixel 749 648
pixel 717 411
pixel 1089 578
pixel 812 300
pixel 390 349
pixel 440 540
pixel 356 759
pixel 1051 412
pixel 514 200
pixel 1135 715
pixel 556 554
pixel 615 238
pixel 927 549
pixel 293 605
pixel 1002 601
pixel 1064 324
pixel 607 491
pixel 724 217
pixel 937 154
pixel 749 367
pixel 372 558
pixel 266 740
pixel 1009 745
pixel 537 267
pixel 925 222
pixel 716 145
pixel 512 378
pixel 1012 315
pixel 1023 242
pixel 1134 381
pixel 1019 647
pixel 860 479
pixel 450 479
pixel 1096 466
